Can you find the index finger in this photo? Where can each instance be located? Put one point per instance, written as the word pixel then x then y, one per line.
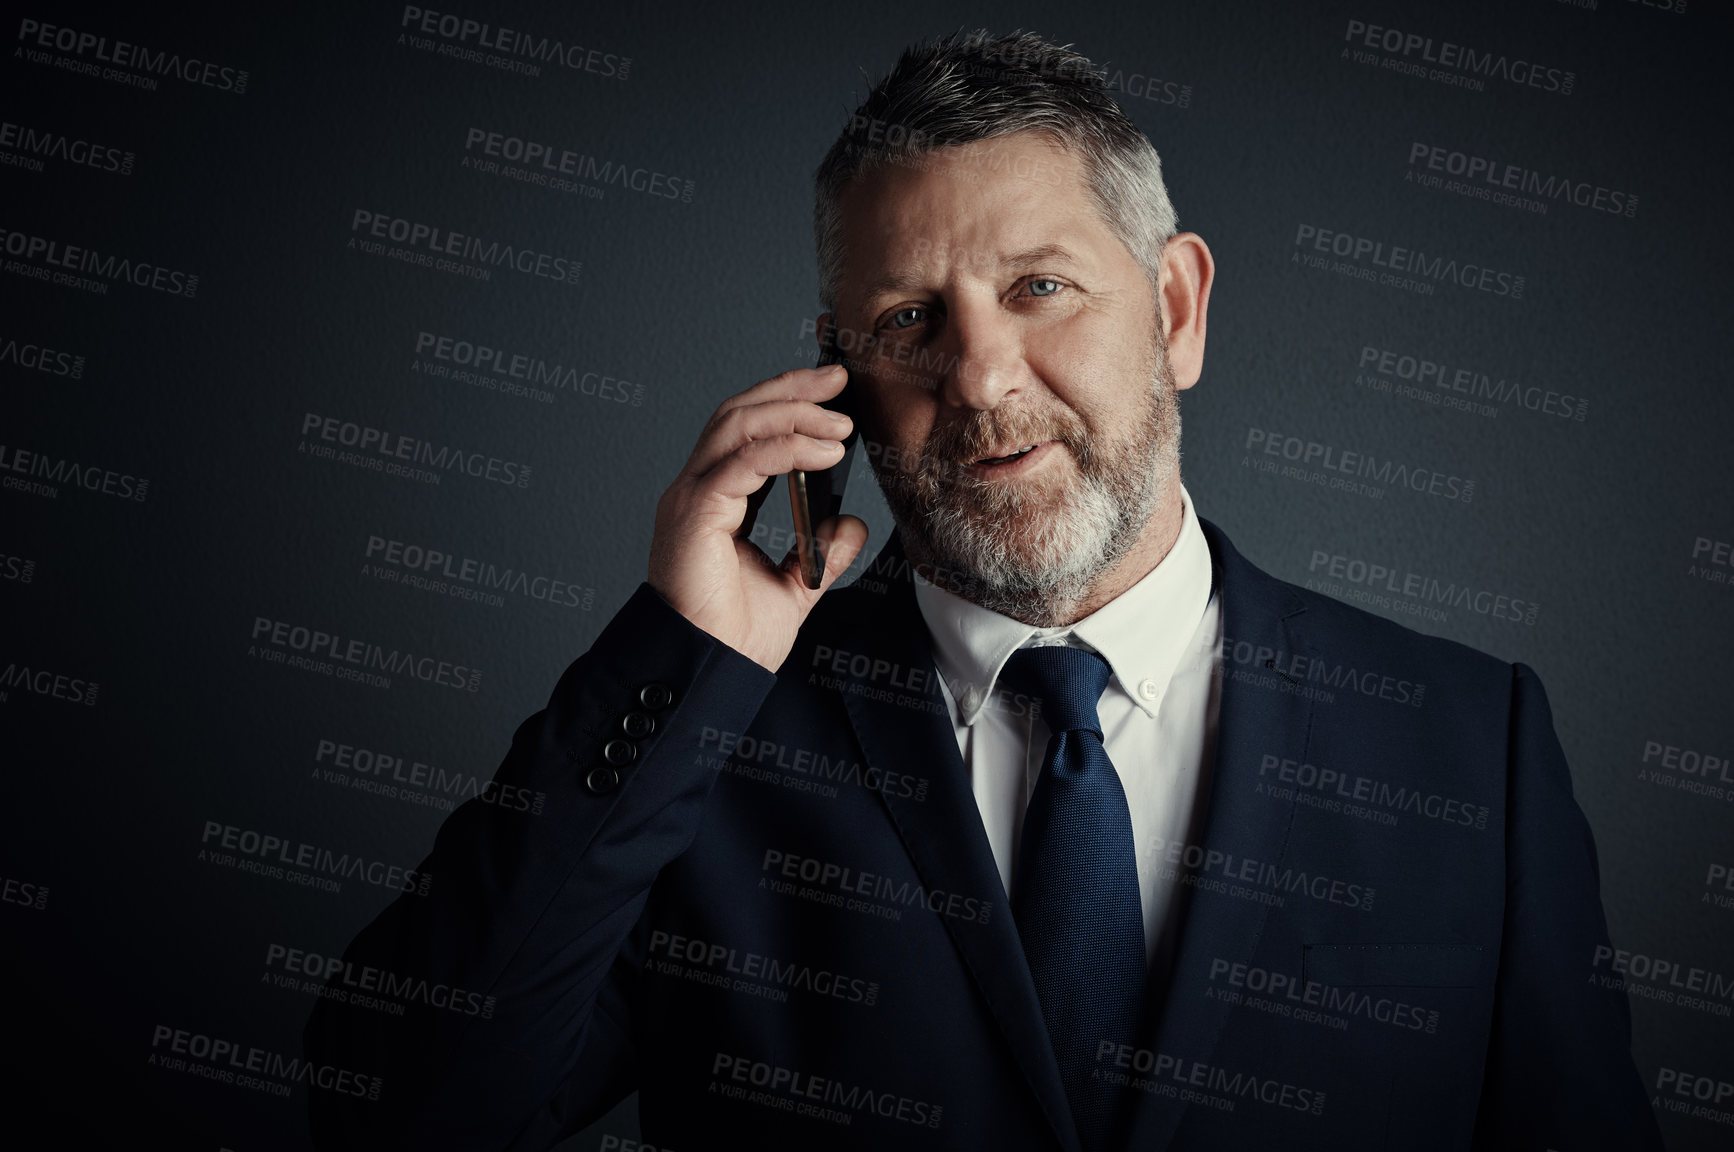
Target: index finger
pixel 815 384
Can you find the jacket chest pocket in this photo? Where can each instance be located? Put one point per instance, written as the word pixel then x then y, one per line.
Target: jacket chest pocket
pixel 1416 1035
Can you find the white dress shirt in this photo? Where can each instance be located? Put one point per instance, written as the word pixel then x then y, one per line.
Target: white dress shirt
pixel 1162 640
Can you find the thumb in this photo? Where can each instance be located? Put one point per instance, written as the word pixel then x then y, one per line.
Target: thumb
pixel 841 539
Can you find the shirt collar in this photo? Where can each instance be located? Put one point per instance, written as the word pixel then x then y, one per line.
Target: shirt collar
pixel 1142 633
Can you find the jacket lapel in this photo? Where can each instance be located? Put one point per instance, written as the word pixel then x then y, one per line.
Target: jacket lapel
pixel 943 833
pixel 1258 716
pixel 945 840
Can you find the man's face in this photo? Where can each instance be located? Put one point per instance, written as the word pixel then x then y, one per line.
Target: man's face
pixel 1001 312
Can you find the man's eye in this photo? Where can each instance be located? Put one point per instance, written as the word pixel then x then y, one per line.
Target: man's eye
pixel 907 316
pixel 1044 287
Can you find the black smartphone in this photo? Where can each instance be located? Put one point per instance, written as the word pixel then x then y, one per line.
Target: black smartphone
pixel 814 497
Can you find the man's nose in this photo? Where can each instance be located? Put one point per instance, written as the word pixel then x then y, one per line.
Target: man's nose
pixel 988 357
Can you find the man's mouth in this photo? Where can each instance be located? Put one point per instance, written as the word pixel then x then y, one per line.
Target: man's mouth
pixel 1016 454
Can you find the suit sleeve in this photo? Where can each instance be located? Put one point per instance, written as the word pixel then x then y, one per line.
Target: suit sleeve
pixel 529 911
pixel 1560 1073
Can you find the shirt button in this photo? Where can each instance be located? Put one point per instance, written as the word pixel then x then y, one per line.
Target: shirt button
pixel 971 698
pixel 1148 689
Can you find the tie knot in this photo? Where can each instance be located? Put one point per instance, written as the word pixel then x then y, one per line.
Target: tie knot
pixel 1068 681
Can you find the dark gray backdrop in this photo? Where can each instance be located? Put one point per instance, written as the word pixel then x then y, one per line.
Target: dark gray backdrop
pixel 147 717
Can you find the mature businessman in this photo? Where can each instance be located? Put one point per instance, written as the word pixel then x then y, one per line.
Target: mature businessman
pixel 1065 826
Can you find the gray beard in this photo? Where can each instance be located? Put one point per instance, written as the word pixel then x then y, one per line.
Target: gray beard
pixel 1026 550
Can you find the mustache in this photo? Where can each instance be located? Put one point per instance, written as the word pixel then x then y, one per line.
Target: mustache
pixel 953 446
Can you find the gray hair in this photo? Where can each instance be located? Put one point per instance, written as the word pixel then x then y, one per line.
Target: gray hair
pixel 975 86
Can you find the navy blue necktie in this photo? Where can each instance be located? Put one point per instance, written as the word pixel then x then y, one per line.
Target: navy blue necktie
pixel 1075 888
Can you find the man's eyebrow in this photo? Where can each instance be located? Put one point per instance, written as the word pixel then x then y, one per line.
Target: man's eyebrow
pixel 1038 254
pixel 901 280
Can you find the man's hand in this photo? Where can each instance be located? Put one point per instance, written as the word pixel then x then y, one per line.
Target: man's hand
pixel 701 560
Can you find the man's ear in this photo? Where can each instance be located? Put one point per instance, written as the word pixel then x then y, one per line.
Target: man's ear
pixel 1187 272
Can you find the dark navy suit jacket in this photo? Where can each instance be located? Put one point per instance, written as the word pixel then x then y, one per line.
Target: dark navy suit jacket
pixel 779 921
